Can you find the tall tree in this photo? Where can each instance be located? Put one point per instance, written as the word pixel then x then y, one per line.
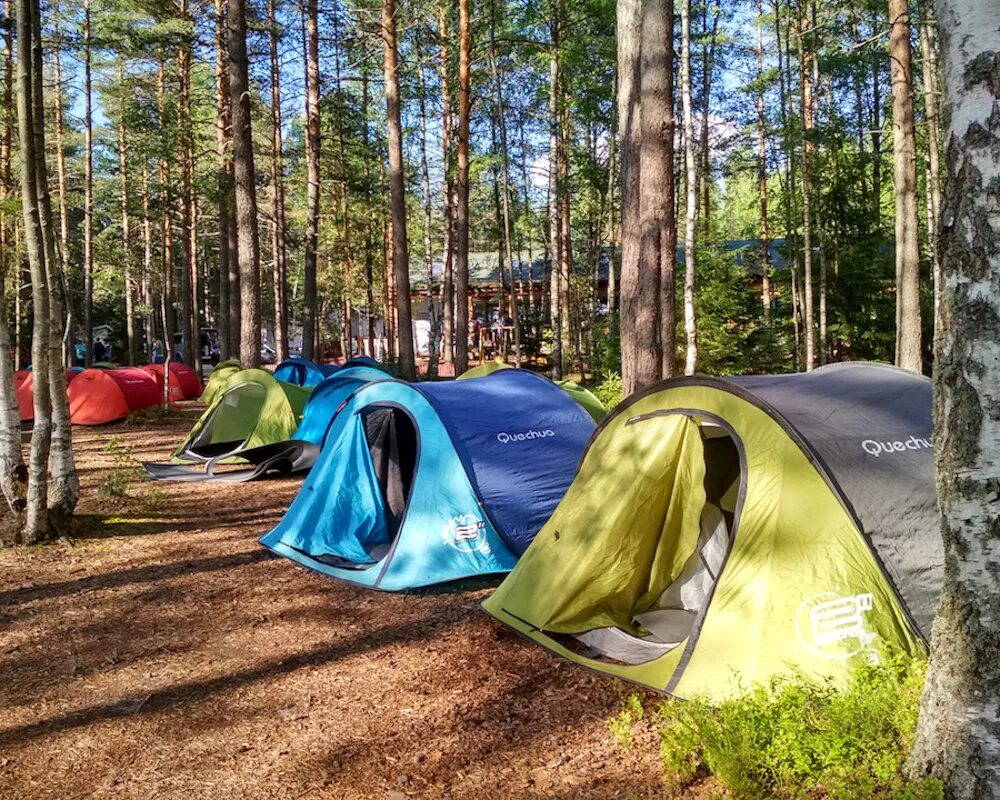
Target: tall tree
pixel 904 160
pixel 279 279
pixel 448 282
pixel 246 193
pixel 806 109
pixel 462 190
pixel 957 737
pixel 928 50
pixel 765 257
pixel 691 203
pixel 309 321
pixel 397 194
pixel 229 293
pixel 88 188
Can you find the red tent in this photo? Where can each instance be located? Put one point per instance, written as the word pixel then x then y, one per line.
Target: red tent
pixel 24 383
pixel 184 381
pixel 97 396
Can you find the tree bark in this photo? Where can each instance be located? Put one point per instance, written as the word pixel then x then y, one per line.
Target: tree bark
pixel 806 110
pixel 555 218
pixel 36 523
pixel 691 203
pixel 397 194
pixel 904 159
pixel 246 193
pixel 13 473
pixel 640 361
pixel 123 186
pixel 513 304
pixel 188 316
pixel 462 192
pixel 88 190
pixel 310 322
pixel 958 738
pixel 279 279
pixel 229 306
pixel 433 339
pixel 448 283
pixel 62 183
pixel 765 257
pixel 932 92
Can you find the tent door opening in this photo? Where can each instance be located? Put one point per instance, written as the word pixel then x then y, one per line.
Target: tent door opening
pixel 392 444
pixel 672 617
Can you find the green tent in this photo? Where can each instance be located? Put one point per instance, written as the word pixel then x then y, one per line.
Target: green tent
pixel 251 409
pixel 721 532
pixel 587 401
pixel 223 371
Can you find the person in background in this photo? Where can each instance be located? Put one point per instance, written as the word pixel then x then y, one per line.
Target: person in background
pixel 79 353
pixel 156 352
pixel 98 350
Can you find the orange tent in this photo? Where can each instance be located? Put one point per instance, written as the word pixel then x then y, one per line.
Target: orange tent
pixel 97 396
pixel 184 381
pixel 24 383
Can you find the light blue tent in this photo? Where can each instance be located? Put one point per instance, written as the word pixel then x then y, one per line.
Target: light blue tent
pixel 328 397
pixel 420 484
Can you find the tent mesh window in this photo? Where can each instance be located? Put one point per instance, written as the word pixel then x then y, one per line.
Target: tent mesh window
pixel 672 617
pixel 224 432
pixel 392 442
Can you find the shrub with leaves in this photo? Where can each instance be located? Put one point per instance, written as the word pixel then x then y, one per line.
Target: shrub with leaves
pixel 610 390
pixel 798 738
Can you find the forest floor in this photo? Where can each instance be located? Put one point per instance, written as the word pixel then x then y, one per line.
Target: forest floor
pixel 163 653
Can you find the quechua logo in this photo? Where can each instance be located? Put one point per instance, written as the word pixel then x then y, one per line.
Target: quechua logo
pixel 513 437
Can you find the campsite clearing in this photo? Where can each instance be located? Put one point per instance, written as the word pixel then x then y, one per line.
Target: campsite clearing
pixel 164 653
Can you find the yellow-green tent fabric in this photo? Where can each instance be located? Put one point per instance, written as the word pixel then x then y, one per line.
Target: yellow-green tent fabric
pixel 223 371
pixel 721 532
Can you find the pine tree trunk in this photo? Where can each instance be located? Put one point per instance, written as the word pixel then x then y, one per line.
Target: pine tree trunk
pixel 279 279
pixel 640 367
pixel 433 340
pixel 310 321
pixel 228 298
pixel 123 185
pixel 904 157
pixel 806 106
pixel 691 203
pixel 167 225
pixel 369 236
pixel 397 194
pixel 246 192
pixel 958 739
pixel 188 318
pixel 765 258
pixel 555 218
pixel 148 294
pixel 88 191
pixel 655 191
pixel 513 309
pixel 462 192
pixel 928 49
pixel 62 183
pixel 565 243
pixel 448 282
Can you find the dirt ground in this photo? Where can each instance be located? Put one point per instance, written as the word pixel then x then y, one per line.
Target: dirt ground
pixel 162 653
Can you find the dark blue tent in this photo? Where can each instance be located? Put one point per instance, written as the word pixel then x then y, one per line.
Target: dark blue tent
pixel 419 484
pixel 302 372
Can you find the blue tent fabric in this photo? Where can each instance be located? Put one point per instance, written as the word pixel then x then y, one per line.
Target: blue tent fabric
pixel 520 438
pixel 303 372
pixel 328 397
pixel 458 498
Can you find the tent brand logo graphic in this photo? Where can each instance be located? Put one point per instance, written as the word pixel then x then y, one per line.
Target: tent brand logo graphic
pixel 523 436
pixel 876 448
pixel 467 533
pixel 825 621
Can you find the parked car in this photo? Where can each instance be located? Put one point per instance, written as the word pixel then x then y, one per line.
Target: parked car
pixel 268 355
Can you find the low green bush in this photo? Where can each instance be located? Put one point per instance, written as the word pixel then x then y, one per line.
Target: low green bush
pixel 798 738
pixel 610 390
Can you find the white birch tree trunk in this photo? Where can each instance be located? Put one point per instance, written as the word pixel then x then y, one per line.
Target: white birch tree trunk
pixel 958 737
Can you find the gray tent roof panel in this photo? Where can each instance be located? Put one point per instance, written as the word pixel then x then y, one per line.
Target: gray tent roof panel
pixel 869 426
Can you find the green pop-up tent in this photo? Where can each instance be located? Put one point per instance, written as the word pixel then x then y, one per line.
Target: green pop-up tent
pixel 720 532
pixel 251 409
